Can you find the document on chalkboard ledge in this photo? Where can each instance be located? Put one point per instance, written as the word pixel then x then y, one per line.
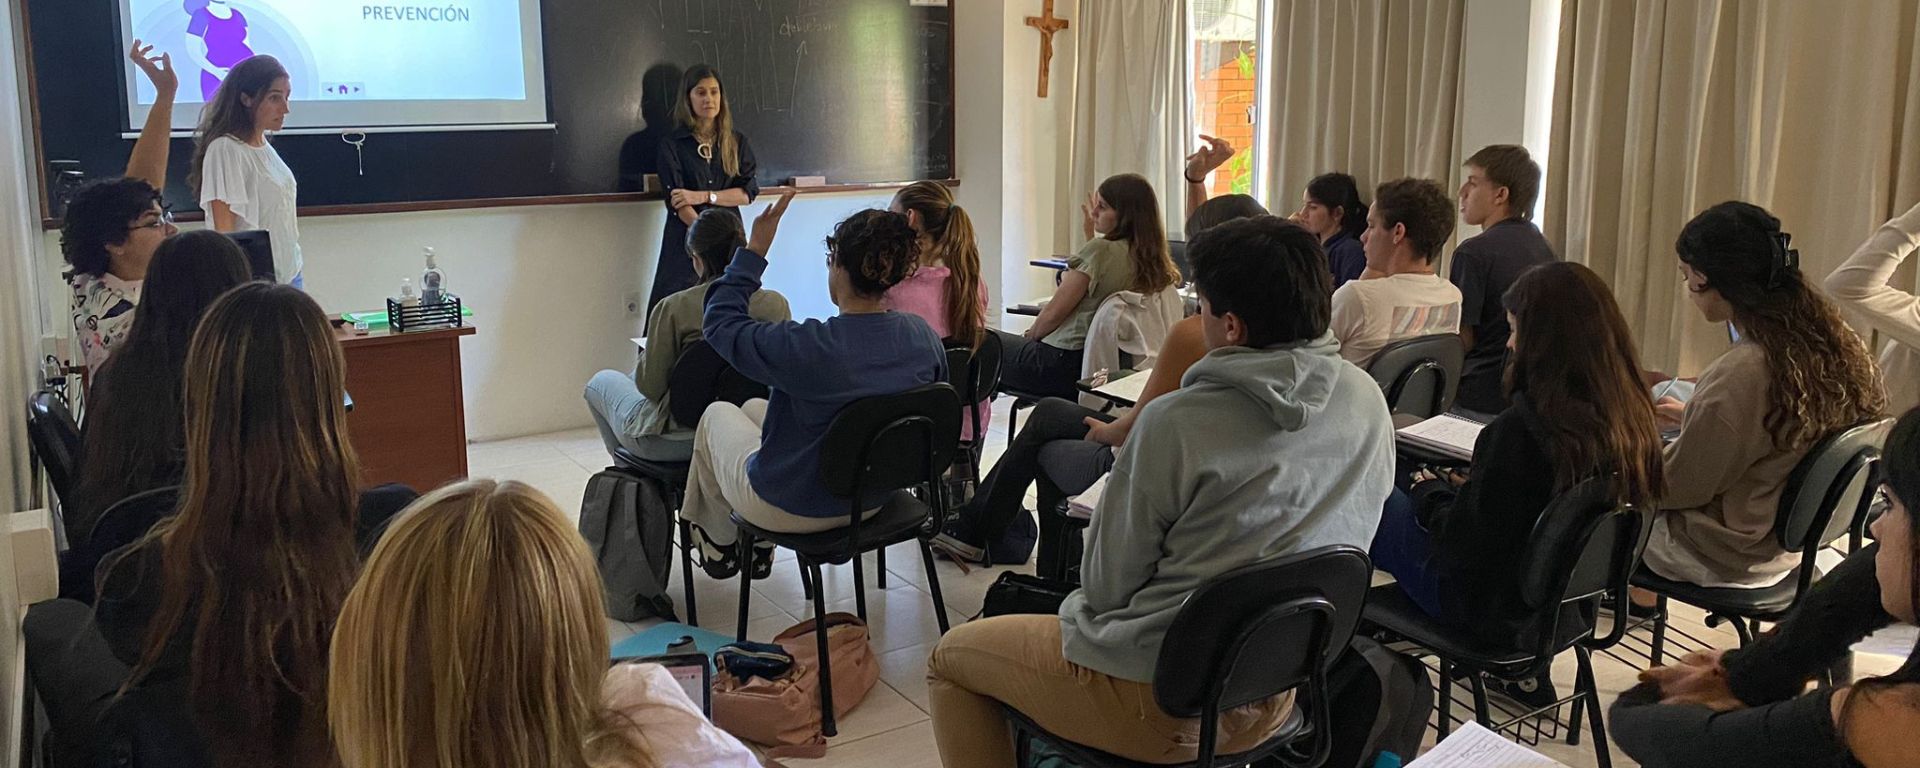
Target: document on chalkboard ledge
pixel 1084 505
pixel 1473 746
pixel 1447 434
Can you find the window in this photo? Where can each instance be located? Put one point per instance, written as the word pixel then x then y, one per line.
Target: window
pixel 1225 56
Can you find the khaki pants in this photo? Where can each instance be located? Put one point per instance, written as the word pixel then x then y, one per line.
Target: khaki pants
pixel 717 483
pixel 1016 660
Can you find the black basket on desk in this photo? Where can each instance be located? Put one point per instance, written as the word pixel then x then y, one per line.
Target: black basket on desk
pixel 419 317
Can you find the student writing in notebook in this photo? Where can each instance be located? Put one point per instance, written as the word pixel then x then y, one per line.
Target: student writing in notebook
pixel 1298 448
pixel 1578 412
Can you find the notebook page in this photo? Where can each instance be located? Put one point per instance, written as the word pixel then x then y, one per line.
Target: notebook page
pixel 1473 746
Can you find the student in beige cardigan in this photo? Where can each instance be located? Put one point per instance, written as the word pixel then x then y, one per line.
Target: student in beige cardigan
pixel 1861 287
pixel 1797 375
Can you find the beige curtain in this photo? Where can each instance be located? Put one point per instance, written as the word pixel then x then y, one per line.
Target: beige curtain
pixel 1130 105
pixel 19 335
pixel 1665 107
pixel 1368 87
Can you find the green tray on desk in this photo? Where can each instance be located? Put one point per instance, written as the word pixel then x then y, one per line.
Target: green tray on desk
pixel 378 318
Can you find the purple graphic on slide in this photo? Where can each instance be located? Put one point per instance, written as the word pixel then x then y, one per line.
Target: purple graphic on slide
pixel 216 40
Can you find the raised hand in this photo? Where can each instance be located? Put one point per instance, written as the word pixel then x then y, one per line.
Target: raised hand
pixel 767 224
pixel 1205 159
pixel 159 69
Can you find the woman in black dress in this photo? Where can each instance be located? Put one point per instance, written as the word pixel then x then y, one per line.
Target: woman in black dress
pixel 705 163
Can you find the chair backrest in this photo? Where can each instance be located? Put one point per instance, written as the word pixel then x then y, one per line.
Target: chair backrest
pixel 123 523
pixel 974 373
pixel 1830 487
pixel 1178 250
pixel 701 378
pixel 1420 375
pixel 1586 545
pixel 1260 630
pixel 891 441
pixel 55 439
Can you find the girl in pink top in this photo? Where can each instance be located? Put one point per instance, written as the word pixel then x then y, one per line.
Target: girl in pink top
pixel 946 290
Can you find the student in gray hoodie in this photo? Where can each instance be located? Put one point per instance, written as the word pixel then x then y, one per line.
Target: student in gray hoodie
pixel 1272 445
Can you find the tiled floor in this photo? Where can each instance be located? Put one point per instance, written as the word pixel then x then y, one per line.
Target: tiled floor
pixel 891 729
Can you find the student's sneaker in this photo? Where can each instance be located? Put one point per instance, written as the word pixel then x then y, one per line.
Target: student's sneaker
pixel 1532 693
pixel 723 562
pixel 954 542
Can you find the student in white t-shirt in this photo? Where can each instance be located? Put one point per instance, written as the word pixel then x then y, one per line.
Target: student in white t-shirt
pixel 1410 221
pixel 242 182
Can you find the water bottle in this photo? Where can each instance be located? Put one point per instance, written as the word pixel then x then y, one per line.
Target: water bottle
pixel 433 289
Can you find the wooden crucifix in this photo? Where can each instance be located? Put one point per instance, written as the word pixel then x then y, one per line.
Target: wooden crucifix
pixel 1048 24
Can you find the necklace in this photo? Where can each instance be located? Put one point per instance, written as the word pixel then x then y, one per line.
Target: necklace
pixel 706 150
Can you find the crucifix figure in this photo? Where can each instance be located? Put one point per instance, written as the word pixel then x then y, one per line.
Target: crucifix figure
pixel 1048 24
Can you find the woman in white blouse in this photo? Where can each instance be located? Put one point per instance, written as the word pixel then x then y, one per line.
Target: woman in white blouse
pixel 242 182
pixel 1863 285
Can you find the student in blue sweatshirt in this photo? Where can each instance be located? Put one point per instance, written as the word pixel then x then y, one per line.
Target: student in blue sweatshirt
pixel 762 459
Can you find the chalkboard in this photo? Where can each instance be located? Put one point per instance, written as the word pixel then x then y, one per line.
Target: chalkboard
pixel 857 91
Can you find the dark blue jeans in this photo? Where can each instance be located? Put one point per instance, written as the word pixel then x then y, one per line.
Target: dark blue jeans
pixel 1402 548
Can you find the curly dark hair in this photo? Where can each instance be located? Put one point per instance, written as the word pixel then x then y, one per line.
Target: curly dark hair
pixel 877 248
pixel 98 217
pixel 1823 377
pixel 1423 207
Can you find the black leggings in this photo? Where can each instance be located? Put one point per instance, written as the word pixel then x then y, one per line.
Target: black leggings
pixel 1038 368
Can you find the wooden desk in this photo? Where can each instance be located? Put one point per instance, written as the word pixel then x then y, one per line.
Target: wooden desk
pixel 409 417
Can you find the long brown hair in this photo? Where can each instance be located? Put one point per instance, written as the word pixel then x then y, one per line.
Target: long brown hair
pixel 230 113
pixel 1138 222
pixel 723 140
pixel 477 638
pixel 1823 378
pixel 135 436
pixel 951 231
pixel 261 552
pixel 1574 359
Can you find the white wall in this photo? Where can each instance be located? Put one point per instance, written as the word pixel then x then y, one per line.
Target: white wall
pixel 1506 77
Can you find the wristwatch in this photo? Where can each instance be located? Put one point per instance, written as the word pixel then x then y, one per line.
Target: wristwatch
pixel 713 198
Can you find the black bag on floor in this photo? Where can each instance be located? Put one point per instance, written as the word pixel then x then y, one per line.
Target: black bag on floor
pixel 1018 593
pixel 629 527
pixel 1379 701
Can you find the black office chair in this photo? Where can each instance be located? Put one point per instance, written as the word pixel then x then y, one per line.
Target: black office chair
pixel 974 374
pixel 55 441
pixel 877 445
pixel 123 523
pixel 1420 375
pixel 1581 552
pixel 700 378
pixel 1244 636
pixel 1827 496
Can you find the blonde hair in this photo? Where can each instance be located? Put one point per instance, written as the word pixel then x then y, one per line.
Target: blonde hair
pixel 476 638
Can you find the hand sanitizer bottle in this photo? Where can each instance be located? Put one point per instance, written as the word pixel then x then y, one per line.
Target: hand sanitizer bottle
pixel 432 283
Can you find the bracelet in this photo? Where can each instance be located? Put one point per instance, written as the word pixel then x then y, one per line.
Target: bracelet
pixel 1192 180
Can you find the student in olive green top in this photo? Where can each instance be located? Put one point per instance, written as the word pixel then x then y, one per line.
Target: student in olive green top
pixel 632 411
pixel 1132 255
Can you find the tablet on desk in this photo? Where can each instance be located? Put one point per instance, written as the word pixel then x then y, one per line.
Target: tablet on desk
pixel 690 670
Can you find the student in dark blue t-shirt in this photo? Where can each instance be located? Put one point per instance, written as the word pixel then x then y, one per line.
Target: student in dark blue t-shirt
pixel 762 459
pixel 1502 183
pixel 1333 211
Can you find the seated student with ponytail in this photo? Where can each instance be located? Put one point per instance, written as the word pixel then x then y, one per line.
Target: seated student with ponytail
pixel 1066 446
pixel 632 410
pixel 1298 454
pixel 1455 544
pixel 762 460
pixel 1333 211
pixel 422 676
pixel 946 289
pixel 1409 223
pixel 1797 375
pixel 1751 707
pixel 1126 250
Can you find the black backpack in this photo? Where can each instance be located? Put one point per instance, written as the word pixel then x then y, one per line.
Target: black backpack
pixel 629 527
pixel 1379 700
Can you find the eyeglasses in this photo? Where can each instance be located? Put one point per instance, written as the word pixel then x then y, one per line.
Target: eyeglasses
pixel 165 220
